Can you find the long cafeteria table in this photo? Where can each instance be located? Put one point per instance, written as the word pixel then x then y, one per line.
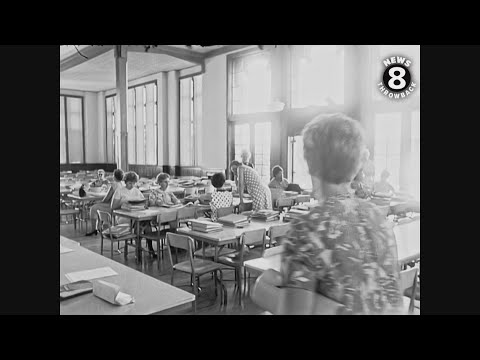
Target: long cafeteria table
pixel 229 234
pixel 151 295
pixel 163 214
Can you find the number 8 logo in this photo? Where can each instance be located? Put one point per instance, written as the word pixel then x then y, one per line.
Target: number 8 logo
pixel 397 78
pixel 391 82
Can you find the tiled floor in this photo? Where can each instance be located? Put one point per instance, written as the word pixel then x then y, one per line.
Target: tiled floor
pixel 207 304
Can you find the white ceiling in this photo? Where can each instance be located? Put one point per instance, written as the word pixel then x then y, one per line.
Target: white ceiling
pixel 98 74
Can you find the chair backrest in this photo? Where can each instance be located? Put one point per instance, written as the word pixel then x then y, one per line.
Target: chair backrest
pixel 285 202
pixel 187 212
pixel 408 278
pixel 225 211
pixel 104 219
pixel 180 242
pixel 278 231
pixel 302 198
pixel 256 238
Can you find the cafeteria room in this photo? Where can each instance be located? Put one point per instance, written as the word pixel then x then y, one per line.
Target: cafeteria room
pixel 239 179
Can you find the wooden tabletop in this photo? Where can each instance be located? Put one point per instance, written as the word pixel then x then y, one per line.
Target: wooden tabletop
pixel 408 247
pixel 151 295
pixel 228 234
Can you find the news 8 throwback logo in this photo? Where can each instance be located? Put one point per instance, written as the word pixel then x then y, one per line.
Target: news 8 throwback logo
pixel 397 80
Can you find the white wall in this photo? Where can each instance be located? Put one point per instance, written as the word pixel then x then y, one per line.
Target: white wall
pixel 213 131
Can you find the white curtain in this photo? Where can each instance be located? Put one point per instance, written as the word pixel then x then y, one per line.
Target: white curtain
pixel 63 140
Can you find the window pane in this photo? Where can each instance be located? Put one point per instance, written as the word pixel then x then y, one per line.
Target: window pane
pixel 263 135
pixel 150 129
pixel 186 105
pixel 139 125
pixel 300 174
pixel 317 75
pixel 197 112
pixel 414 171
pixel 387 146
pixel 251 83
pixel 131 127
pixel 63 140
pixel 109 128
pixel 75 130
pixel 242 140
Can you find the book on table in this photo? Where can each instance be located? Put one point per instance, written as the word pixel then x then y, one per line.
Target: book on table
pixel 206 226
pixel 233 220
pixel 266 215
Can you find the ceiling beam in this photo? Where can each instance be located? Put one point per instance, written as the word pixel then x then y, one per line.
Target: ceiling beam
pixel 225 49
pixel 179 53
pixel 89 52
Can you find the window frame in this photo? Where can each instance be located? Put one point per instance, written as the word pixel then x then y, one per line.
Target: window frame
pixel 66 127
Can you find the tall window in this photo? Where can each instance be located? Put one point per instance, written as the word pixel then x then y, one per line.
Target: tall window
pixel 72 140
pixel 110 129
pixel 388 146
pixel 242 140
pixel 317 75
pixel 262 150
pixel 190 116
pixel 142 125
pixel 251 83
pixel 298 173
pixel 414 171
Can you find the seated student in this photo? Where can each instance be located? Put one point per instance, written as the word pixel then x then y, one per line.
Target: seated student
pixel 105 204
pixel 101 180
pixel 278 181
pixel 161 196
pixel 220 199
pixel 383 186
pixel 130 192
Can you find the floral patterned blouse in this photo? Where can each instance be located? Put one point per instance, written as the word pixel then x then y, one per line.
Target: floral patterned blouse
pixel 348 250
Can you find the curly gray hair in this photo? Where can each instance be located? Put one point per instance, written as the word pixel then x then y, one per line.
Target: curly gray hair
pixel 334 147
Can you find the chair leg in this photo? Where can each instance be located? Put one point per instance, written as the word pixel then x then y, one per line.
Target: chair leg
pixel 111 249
pixel 75 222
pixel 101 244
pixel 126 249
pixel 195 292
pixel 158 254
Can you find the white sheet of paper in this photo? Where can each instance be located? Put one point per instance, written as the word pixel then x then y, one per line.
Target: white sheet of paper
pixel 124 299
pixel 90 274
pixel 64 249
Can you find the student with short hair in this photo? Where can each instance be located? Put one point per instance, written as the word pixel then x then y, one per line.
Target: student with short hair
pixel 220 199
pixel 278 181
pixel 161 196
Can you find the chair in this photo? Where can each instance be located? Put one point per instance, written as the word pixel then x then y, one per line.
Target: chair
pixel 301 199
pixel 244 253
pixel 116 233
pixel 285 203
pixel 210 251
pixel 70 212
pixel 194 267
pixel 276 232
pixel 408 279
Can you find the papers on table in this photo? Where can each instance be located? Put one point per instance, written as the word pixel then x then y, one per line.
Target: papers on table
pixel 64 249
pixel 90 274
